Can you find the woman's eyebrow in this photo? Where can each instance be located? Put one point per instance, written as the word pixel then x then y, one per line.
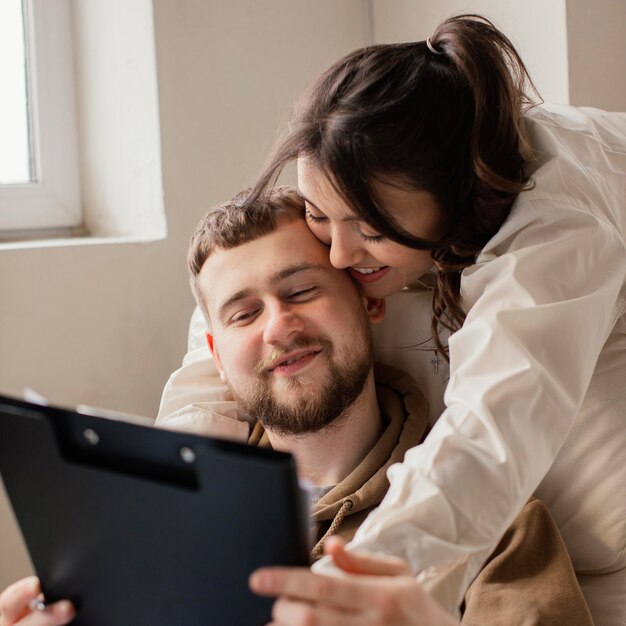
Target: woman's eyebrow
pixel 309 201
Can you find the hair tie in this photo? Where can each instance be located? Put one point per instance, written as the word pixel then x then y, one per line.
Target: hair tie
pixel 431 47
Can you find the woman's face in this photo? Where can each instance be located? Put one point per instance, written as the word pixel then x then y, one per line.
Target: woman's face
pixel 380 265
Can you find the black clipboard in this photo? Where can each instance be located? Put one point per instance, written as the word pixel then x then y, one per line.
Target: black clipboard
pixel 146 527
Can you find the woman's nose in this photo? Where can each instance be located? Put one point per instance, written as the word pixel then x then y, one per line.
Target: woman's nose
pixel 346 249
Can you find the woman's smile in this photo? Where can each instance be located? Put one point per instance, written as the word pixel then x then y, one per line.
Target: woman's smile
pixel 368 274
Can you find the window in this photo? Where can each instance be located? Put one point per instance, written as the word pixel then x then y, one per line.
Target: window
pixel 39 177
pixel 15 157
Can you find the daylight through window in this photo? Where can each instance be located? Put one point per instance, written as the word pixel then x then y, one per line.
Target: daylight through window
pixel 15 157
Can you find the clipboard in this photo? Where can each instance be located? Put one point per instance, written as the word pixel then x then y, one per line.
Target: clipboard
pixel 140 526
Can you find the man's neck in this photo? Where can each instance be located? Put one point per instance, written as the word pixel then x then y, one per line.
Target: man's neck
pixel 328 456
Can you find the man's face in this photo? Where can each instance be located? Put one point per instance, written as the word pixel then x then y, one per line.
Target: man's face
pixel 291 333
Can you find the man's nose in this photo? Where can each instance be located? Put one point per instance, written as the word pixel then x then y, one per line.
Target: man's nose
pixel 345 249
pixel 282 325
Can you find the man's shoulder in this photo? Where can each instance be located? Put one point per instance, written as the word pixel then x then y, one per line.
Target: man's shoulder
pixel 529 578
pixel 396 379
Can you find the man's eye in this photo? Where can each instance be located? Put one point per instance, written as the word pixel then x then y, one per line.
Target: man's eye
pixel 243 317
pixel 302 294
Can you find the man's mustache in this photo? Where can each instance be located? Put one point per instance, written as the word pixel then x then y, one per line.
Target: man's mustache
pixel 262 368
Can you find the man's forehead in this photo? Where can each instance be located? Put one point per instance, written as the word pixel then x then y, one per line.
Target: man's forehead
pixel 290 250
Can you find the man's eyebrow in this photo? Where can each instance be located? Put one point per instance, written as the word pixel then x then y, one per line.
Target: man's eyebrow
pixel 296 268
pixel 275 278
pixel 240 295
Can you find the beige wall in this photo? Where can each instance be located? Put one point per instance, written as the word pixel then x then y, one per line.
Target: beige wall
pixel 597 53
pixel 104 325
pixel 537 29
pixel 575 50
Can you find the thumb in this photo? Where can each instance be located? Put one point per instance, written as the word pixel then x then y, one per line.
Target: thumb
pixel 364 563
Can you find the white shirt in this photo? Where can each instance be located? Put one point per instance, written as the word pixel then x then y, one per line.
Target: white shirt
pixel 536 357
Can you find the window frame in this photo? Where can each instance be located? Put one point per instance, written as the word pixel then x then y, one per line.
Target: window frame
pixel 53 199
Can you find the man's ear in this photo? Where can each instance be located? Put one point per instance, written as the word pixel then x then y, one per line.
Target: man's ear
pixel 376 308
pixel 210 343
pixel 216 355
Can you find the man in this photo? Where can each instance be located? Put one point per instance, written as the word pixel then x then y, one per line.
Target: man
pixel 291 337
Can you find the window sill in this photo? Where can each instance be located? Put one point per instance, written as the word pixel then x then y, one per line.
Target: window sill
pixel 66 238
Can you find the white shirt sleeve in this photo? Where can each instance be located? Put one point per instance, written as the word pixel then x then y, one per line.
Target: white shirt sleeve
pixel 541 301
pixel 195 399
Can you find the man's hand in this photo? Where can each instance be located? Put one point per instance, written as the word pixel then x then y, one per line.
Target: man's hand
pixel 16 604
pixel 379 591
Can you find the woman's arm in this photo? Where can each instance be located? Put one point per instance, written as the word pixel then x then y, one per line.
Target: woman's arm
pixel 541 302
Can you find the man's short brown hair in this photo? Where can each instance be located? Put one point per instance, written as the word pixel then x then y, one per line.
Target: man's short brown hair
pixel 236 222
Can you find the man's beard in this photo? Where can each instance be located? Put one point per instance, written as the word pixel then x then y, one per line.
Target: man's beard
pixel 305 409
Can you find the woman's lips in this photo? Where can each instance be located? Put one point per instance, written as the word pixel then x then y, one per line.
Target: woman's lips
pixel 366 275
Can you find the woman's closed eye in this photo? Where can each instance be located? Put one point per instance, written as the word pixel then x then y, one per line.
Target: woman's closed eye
pixel 322 219
pixel 316 219
pixel 371 238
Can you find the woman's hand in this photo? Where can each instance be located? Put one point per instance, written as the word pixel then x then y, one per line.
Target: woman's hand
pixel 381 591
pixel 16 604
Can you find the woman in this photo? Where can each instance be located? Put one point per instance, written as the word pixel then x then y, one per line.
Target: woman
pixel 429 154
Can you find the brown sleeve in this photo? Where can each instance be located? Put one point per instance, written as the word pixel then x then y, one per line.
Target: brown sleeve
pixel 529 579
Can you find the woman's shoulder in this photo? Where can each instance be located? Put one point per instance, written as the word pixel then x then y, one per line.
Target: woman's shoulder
pixel 605 127
pixel 576 176
pixel 587 138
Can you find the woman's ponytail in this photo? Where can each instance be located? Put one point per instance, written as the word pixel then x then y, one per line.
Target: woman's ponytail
pixel 443 116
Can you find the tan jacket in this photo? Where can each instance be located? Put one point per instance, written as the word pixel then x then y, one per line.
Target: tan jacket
pixel 527 581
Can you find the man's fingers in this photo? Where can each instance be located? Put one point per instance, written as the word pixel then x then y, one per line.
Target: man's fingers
pixel 362 563
pixel 15 599
pixel 301 583
pixel 57 614
pixel 288 612
pixel 15 606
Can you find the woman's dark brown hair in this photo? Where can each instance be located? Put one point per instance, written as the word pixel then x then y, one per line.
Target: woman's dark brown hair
pixel 447 121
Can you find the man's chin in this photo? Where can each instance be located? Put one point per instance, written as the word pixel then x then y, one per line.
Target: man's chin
pixel 303 384
pixel 295 395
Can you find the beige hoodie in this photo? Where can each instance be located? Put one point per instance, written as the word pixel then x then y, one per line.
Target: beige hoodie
pixel 527 581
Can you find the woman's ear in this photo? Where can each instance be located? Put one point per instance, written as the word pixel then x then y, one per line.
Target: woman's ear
pixel 216 356
pixel 376 308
